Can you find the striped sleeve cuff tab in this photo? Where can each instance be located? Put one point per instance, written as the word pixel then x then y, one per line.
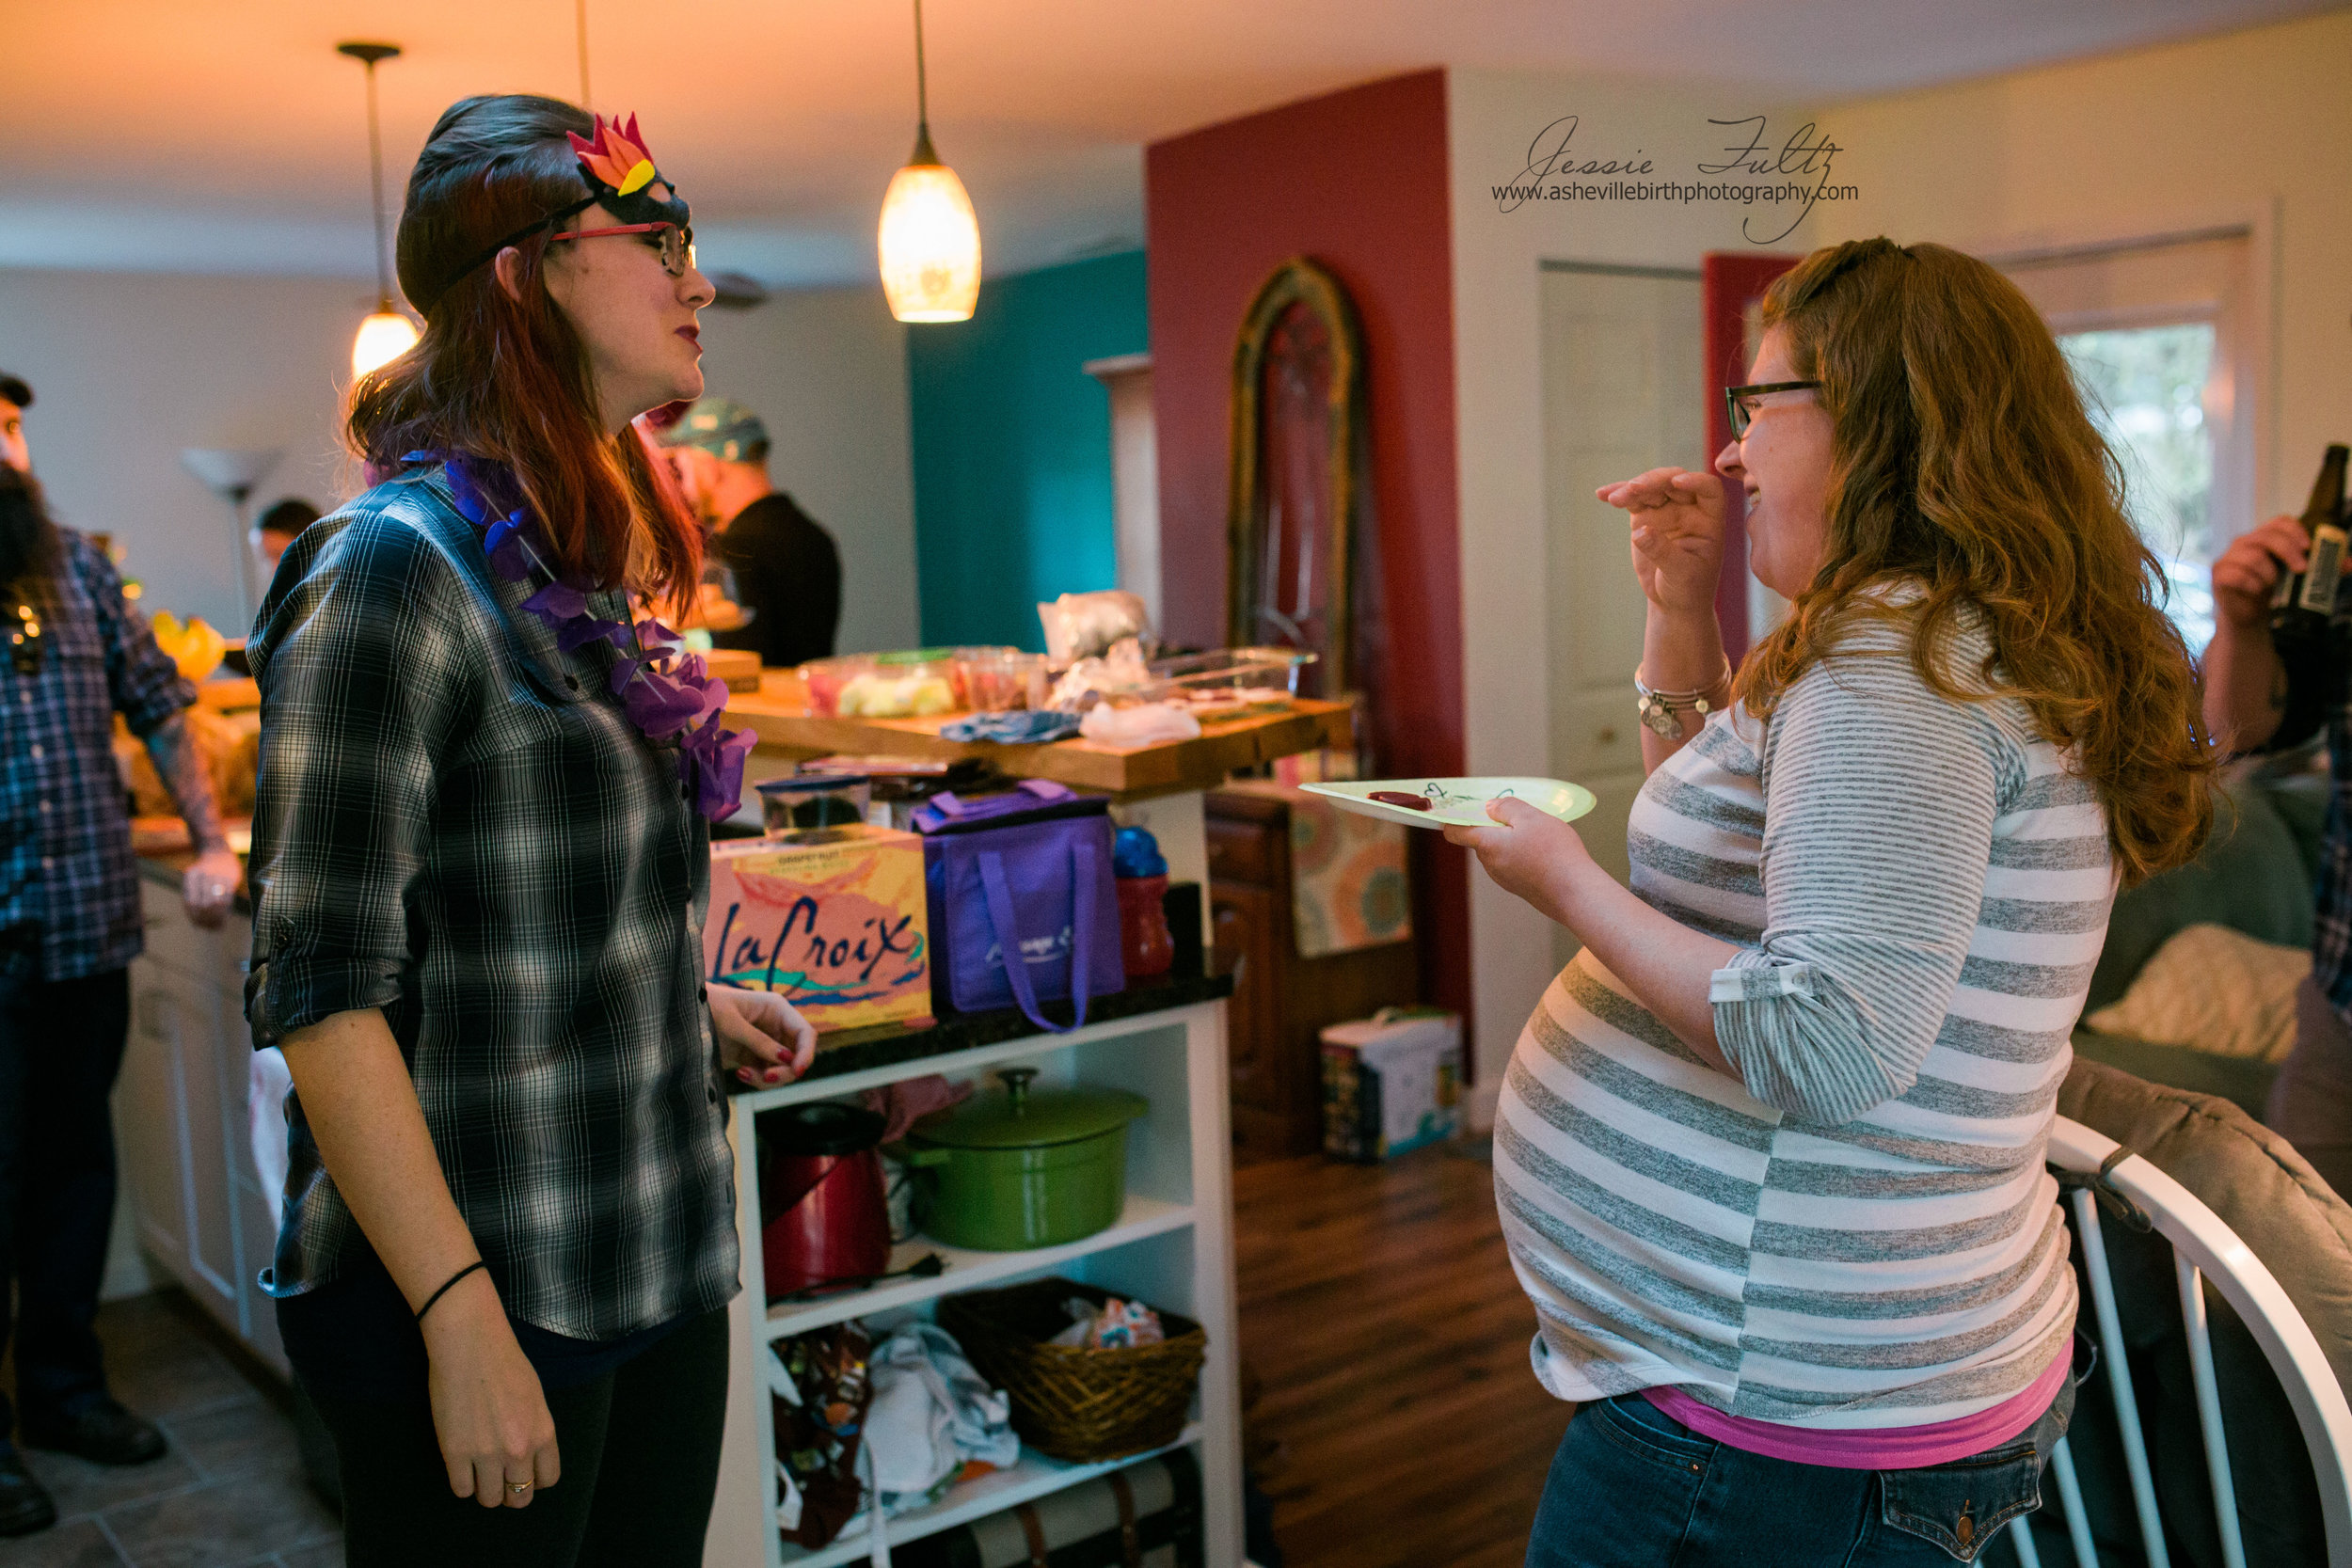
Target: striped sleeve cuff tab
pixel 1754 975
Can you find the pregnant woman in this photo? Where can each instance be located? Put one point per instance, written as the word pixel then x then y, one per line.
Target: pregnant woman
pixel 482 858
pixel 1769 1154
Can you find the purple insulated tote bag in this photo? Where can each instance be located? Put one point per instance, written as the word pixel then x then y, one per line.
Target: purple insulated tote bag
pixel 1026 872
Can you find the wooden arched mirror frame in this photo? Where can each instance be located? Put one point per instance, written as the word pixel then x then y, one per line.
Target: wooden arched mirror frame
pixel 1295 498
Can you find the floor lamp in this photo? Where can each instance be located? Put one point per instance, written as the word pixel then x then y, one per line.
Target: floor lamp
pixel 232 474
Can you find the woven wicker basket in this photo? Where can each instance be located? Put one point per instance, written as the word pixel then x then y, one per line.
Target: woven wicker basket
pixel 1074 1405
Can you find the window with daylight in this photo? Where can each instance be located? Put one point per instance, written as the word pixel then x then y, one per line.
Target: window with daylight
pixel 2165 338
pixel 2145 389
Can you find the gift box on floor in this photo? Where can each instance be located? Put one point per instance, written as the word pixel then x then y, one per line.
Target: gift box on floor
pixel 836 921
pixel 1147 1515
pixel 1391 1083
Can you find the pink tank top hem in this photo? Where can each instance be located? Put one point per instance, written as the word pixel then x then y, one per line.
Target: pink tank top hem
pixel 1871 1447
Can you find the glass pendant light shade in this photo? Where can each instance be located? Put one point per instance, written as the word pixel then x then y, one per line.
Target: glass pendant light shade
pixel 929 244
pixel 384 336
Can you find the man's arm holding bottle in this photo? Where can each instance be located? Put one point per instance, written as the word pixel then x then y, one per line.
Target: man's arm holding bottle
pixel 2246 682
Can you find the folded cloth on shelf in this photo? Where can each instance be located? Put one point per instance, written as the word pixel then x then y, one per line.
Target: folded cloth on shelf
pixel 1023 727
pixel 932 1415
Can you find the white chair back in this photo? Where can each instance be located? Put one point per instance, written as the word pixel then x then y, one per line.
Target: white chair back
pixel 2202 1248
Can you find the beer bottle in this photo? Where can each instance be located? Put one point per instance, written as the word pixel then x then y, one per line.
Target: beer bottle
pixel 2305 601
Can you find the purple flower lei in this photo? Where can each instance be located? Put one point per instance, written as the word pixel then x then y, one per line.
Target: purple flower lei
pixel 668 693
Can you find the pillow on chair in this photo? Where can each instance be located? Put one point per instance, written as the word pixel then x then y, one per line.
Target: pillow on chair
pixel 2213 990
pixel 2260 1188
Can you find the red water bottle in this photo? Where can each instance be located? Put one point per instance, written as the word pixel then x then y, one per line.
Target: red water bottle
pixel 1146 947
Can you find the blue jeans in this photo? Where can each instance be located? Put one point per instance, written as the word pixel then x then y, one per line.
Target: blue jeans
pixel 1631 1488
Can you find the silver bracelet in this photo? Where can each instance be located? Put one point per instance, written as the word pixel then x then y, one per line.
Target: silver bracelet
pixel 1659 709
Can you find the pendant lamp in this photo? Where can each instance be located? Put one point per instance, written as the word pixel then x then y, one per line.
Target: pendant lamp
pixel 930 240
pixel 388 332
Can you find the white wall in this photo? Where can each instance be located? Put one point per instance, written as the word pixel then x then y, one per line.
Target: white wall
pixel 2252 127
pixel 127 369
pixel 130 368
pixel 1499 406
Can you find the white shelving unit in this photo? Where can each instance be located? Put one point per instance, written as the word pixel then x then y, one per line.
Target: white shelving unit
pixel 1173 1247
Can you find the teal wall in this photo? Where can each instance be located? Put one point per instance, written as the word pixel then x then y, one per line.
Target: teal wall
pixel 1013 447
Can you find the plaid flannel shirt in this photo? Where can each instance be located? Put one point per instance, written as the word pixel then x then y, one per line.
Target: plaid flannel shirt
pixel 2332 939
pixel 458 824
pixel 66 868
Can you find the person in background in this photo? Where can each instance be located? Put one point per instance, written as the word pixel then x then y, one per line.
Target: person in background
pixel 69 925
pixel 2248 710
pixel 786 571
pixel 277 528
pixel 1770 1151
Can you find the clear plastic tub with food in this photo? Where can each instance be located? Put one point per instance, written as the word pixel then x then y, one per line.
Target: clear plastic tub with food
pixel 912 684
pixel 1003 680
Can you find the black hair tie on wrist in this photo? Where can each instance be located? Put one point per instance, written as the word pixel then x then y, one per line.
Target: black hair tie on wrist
pixel 434 1299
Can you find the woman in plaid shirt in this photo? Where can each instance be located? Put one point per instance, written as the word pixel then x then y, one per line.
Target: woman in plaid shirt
pixel 509 1235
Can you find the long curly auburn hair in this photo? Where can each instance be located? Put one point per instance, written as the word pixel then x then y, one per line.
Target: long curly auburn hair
pixel 1963 462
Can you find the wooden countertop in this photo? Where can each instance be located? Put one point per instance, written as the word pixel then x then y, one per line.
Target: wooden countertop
pixel 780 716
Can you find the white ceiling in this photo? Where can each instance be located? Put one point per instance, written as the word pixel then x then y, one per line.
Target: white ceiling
pixel 227 136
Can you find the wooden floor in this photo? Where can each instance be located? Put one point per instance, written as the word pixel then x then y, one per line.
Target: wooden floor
pixel 1379 1313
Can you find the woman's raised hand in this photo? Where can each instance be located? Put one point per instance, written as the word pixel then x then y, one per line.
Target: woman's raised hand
pixel 1677 519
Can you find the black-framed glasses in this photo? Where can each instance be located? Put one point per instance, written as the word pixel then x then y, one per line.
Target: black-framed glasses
pixel 1736 401
pixel 676 245
pixel 24 638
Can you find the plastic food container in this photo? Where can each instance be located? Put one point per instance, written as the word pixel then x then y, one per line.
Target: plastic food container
pixel 910 685
pixel 1005 680
pixel 813 802
pixel 825 677
pixel 1227 669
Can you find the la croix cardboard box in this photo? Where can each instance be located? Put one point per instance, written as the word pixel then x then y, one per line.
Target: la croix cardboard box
pixel 836 921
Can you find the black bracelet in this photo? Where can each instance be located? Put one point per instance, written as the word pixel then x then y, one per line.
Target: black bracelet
pixel 436 1295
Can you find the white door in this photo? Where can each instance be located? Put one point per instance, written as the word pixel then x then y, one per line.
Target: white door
pixel 1624 384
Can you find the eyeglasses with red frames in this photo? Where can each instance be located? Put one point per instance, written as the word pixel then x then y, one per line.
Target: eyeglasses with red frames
pixel 676 245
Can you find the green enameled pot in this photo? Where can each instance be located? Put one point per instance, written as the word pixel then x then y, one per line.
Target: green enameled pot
pixel 1007 1172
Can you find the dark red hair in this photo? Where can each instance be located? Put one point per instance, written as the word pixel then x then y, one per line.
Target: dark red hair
pixel 506 379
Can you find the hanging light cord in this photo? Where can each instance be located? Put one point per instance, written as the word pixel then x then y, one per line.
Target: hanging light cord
pixel 376 183
pixel 579 12
pixel 923 152
pixel 922 91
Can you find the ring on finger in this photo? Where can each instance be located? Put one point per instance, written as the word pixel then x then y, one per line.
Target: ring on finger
pixel 518 1487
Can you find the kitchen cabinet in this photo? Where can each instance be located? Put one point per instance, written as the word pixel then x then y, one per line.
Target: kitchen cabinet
pixel 1282 1001
pixel 186 1158
pixel 1173 1247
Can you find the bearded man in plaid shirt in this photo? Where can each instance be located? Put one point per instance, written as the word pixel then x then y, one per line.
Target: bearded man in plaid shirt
pixel 76 654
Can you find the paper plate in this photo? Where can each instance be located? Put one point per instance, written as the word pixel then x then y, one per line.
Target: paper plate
pixel 1454 803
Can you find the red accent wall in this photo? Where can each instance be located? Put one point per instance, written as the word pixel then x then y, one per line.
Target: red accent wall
pixel 1729 282
pixel 1357 180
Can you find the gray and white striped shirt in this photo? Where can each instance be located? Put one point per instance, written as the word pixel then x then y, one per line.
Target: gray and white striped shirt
pixel 1861 1234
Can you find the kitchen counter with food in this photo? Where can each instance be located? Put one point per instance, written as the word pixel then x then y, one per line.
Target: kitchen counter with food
pixel 789 730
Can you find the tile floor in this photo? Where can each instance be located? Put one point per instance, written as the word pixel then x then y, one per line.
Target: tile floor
pixel 228 1495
